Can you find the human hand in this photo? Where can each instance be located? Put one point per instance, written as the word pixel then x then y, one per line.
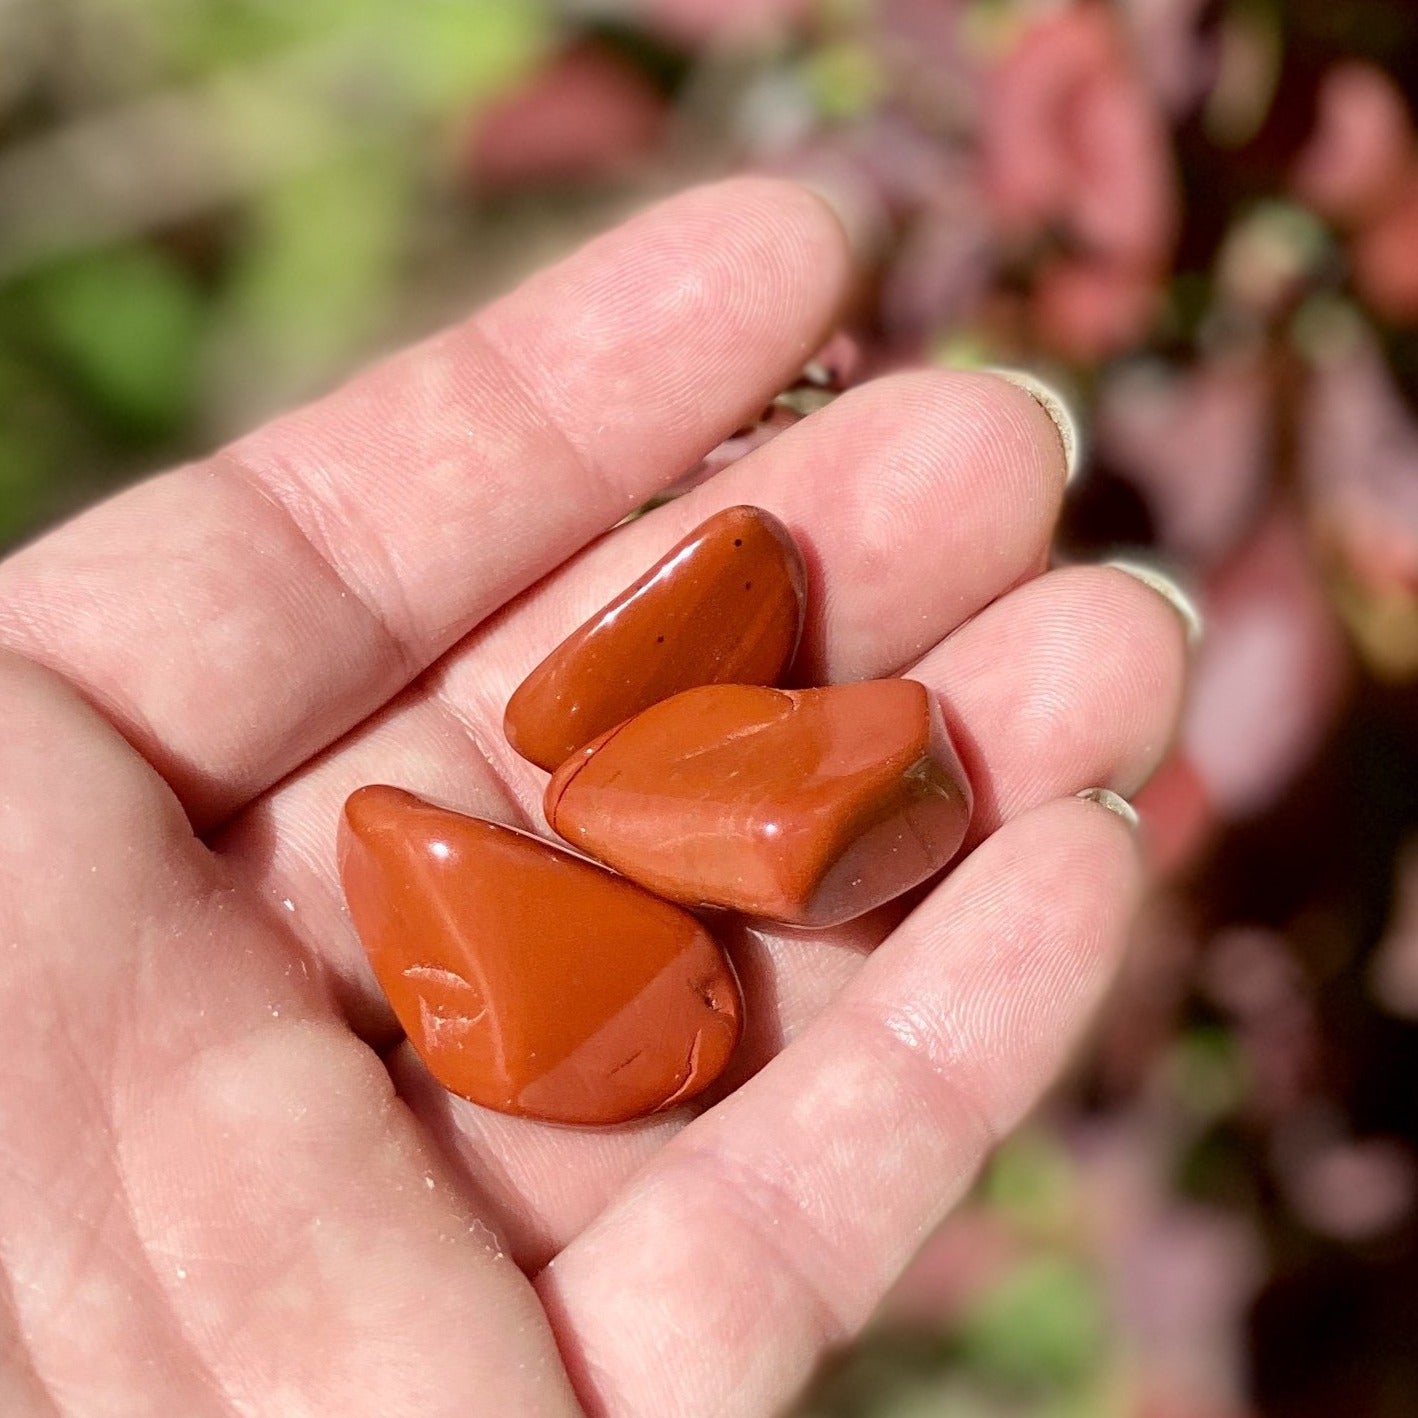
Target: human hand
pixel 227 1186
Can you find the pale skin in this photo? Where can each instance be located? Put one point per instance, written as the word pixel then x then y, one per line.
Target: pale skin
pixel 225 1185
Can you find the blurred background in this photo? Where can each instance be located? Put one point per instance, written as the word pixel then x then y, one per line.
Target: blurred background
pixel 1200 217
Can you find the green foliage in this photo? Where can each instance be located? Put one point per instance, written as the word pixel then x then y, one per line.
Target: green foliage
pixel 1042 1325
pixel 450 51
pixel 1032 1182
pixel 23 468
pixel 197 37
pixel 314 271
pixel 38 442
pixel 1033 1346
pixel 331 105
pixel 844 79
pixel 1206 1070
pixel 121 328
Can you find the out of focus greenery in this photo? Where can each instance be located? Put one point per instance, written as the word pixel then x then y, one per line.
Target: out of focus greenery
pixel 210 207
pixel 1033 1342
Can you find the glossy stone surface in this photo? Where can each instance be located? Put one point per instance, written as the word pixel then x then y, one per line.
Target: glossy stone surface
pixel 527 979
pixel 725 606
pixel 805 806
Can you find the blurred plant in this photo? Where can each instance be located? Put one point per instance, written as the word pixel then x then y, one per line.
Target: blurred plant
pixel 209 209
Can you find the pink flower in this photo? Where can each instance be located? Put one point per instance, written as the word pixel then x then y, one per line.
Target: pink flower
pixel 1385 270
pixel 1270 676
pixel 1087 310
pixel 703 21
pixel 586 117
pixel 1197 444
pixel 1362 146
pixel 1177 816
pixel 1176 48
pixel 1073 141
pixel 1075 149
pixel 1360 169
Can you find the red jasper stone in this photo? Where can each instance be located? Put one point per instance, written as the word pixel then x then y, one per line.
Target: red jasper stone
pixel 805 806
pixel 724 606
pixel 527 979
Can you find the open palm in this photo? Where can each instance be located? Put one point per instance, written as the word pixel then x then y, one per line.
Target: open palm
pixel 225 1184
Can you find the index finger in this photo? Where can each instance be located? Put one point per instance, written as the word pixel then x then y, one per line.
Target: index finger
pixel 234 617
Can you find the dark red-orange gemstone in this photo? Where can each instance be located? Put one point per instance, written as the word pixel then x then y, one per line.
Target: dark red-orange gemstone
pixel 805 806
pixel 527 979
pixel 723 606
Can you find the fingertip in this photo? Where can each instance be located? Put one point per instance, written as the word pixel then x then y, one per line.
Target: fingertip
pixel 1169 589
pixel 1112 802
pixel 859 226
pixel 784 226
pixel 1060 410
pixel 1107 838
pixel 815 241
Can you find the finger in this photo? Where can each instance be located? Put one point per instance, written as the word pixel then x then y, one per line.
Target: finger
pixel 969 472
pixel 1073 680
pixel 234 617
pixel 790 1208
pixel 212 1202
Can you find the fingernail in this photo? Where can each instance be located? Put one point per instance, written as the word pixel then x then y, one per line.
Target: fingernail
pixel 861 223
pixel 1107 798
pixel 1057 407
pixel 805 399
pixel 1168 589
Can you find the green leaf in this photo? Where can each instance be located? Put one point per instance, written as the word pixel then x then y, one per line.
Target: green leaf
pixel 844 80
pixel 123 326
pixel 1207 1072
pixel 198 37
pixel 313 280
pixel 22 476
pixel 1043 1324
pixel 449 52
pixel 37 452
pixel 1032 1181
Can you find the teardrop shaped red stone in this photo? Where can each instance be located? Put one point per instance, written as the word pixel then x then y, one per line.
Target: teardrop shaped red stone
pixel 527 979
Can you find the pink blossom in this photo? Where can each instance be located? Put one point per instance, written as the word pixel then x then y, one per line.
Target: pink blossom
pixel 1087 310
pixel 1361 148
pixel 1177 816
pixel 1252 974
pixel 1175 47
pixel 704 21
pixel 1353 1189
pixel 1072 140
pixel 1385 270
pixel 1196 444
pixel 587 116
pixel 1270 675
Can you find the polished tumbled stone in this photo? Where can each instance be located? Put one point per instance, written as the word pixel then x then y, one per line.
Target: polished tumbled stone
pixel 527 979
pixel 803 806
pixel 723 606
